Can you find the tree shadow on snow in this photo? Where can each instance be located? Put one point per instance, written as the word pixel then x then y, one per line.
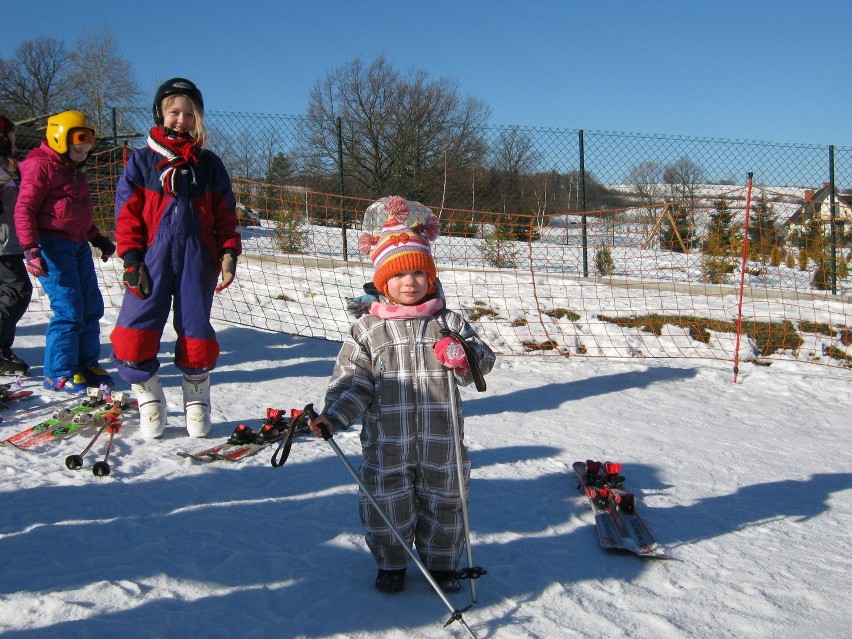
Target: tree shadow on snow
pixel 263 553
pixel 535 398
pixel 256 551
pixel 792 499
pixel 249 355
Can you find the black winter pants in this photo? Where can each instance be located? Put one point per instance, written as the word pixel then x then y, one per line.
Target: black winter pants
pixel 16 291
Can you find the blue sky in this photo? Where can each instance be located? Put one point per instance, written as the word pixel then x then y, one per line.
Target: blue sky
pixel 761 70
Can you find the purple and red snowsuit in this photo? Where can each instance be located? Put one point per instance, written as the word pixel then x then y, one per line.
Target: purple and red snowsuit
pixel 181 237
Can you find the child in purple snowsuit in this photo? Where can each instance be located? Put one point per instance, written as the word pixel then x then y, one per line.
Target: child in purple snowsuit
pixel 176 230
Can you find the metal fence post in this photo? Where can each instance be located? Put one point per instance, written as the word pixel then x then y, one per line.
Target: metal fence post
pixel 582 195
pixel 114 128
pixel 832 221
pixel 342 188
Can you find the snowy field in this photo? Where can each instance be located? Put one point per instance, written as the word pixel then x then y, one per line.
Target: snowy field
pixel 747 485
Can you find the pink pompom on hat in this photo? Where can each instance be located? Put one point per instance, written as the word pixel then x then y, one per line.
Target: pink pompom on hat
pixel 404 241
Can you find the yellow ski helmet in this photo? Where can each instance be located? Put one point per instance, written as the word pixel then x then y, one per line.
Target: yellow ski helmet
pixel 61 124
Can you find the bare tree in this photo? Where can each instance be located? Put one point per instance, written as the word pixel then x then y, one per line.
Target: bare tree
pixel 647 178
pixel 100 77
pixel 683 176
pixel 543 192
pixel 515 152
pixel 400 133
pixel 238 151
pixel 35 81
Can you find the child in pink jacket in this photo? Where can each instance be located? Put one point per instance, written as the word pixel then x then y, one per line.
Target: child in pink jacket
pixel 54 220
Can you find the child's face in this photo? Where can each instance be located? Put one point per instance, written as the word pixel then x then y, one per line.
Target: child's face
pixel 179 114
pixel 409 287
pixel 80 143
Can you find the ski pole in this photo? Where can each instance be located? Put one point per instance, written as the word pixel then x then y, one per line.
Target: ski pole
pixel 101 468
pixel 472 572
pixel 75 462
pixel 327 436
pixel 451 380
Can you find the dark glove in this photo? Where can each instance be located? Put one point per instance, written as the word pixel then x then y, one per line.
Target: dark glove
pixel 229 269
pixel 136 279
pixel 35 262
pixel 105 245
pixel 370 289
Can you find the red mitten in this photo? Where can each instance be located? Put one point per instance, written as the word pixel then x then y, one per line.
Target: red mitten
pixel 451 354
pixel 34 262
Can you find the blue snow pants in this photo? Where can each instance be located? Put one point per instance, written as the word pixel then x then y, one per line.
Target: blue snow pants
pixel 73 340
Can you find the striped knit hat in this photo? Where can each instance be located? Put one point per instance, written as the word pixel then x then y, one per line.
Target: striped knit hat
pixel 403 243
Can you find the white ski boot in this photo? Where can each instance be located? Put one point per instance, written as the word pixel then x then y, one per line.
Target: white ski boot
pixel 152 407
pixel 196 405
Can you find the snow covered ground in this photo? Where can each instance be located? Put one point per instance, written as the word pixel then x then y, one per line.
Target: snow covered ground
pixel 747 485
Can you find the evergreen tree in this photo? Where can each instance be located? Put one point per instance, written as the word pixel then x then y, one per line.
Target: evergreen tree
pixel 764 233
pixel 498 247
pixel 604 264
pixel 720 236
pixel 279 169
pixel 677 233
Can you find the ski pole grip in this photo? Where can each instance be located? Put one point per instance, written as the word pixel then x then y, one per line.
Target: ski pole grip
pixel 478 377
pixel 312 414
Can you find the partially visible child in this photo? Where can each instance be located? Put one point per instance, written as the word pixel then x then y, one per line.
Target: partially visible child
pixel 16 289
pixel 176 230
pixel 54 220
pixel 392 372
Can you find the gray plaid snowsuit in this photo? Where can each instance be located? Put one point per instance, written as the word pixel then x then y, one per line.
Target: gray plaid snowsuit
pixel 387 373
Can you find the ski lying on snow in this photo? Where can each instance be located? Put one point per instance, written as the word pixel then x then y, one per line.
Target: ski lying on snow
pixel 244 442
pixel 61 417
pixel 114 407
pixel 95 410
pixel 619 525
pixel 17 411
pixel 9 396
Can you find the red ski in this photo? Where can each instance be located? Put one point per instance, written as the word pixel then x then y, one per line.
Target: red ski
pixel 618 523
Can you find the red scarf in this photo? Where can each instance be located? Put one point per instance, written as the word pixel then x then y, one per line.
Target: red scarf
pixel 177 152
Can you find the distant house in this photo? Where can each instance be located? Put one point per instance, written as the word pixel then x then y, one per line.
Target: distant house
pixel 817 206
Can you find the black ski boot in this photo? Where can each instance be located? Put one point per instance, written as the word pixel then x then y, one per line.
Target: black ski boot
pixel 447 580
pixel 11 364
pixel 390 581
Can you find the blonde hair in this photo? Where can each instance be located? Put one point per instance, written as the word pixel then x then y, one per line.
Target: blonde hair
pixel 199 132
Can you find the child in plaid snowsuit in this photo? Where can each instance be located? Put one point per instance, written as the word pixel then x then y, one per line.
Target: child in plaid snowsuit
pixel 392 372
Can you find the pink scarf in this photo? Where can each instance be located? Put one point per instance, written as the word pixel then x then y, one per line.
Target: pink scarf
pixel 397 312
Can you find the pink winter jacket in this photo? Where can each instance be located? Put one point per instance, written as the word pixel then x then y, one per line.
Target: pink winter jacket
pixel 53 198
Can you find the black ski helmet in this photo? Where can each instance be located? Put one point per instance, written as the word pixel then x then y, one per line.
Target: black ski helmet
pixel 175 86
